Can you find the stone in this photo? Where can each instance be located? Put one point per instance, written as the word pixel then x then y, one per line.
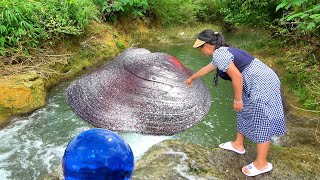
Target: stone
pixel 21 94
pixel 174 159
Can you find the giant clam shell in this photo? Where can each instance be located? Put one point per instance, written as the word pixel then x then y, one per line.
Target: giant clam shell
pixel 141 92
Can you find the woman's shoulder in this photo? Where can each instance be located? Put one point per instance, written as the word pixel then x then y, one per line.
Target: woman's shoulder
pixel 222 48
pixel 222 51
pixel 222 58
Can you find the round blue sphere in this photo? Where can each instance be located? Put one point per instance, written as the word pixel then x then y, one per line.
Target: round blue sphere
pixel 98 154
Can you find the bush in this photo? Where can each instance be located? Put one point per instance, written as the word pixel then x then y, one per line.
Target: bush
pixel 302 76
pixel 111 10
pixel 67 16
pixel 19 25
pixel 25 23
pixel 173 12
pixel 208 11
pixel 250 12
pixel 303 16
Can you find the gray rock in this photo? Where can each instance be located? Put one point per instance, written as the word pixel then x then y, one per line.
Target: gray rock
pixel 174 159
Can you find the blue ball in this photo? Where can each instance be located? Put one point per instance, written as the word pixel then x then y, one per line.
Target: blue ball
pixel 98 154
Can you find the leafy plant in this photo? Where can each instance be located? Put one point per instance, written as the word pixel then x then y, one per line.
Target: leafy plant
pixel 18 26
pixel 119 44
pixel 208 11
pixel 24 23
pixel 250 12
pixel 173 12
pixel 304 14
pixel 66 16
pixel 113 9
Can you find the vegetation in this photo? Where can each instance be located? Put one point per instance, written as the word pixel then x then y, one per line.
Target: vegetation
pixel 29 25
pixel 24 24
pixel 303 14
pixel 301 23
pixel 173 13
pixel 250 12
pixel 111 10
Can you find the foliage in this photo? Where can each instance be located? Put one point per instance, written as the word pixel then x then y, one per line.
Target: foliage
pixel 17 26
pixel 119 44
pixel 111 10
pixel 304 15
pixel 302 75
pixel 24 23
pixel 208 11
pixel 170 13
pixel 67 16
pixel 173 12
pixel 301 22
pixel 250 12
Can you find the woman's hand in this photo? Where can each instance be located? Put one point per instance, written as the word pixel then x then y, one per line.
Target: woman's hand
pixel 237 105
pixel 202 72
pixel 189 82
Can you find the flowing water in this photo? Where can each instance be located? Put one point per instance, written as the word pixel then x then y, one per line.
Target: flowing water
pixel 32 147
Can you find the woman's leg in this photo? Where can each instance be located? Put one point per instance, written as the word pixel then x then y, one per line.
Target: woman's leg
pixel 261 159
pixel 238 143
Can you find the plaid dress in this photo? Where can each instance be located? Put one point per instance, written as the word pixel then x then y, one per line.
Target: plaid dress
pixel 262 115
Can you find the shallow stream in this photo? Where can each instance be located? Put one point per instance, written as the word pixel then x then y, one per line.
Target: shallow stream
pixel 32 147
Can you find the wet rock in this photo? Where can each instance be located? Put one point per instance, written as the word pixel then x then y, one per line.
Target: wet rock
pixel 20 94
pixel 173 159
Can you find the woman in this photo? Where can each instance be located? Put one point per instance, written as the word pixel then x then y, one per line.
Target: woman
pixel 257 97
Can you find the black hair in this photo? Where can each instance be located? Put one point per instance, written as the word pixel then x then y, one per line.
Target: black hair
pixel 213 38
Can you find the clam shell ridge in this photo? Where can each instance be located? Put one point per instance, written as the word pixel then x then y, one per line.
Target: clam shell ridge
pixel 140 92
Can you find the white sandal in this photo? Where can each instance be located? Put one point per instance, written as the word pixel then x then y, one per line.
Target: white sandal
pixel 254 171
pixel 228 146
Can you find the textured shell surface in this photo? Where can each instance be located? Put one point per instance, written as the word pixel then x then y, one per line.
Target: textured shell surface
pixel 142 92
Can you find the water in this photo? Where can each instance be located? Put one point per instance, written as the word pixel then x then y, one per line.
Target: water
pixel 32 147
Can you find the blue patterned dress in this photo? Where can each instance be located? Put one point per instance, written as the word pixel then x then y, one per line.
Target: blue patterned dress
pixel 262 115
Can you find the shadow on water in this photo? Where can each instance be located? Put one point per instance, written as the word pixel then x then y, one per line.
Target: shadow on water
pixel 33 146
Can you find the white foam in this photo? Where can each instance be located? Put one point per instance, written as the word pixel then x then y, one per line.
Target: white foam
pixel 46 158
pixel 183 168
pixel 208 123
pixel 24 149
pixel 5 155
pixel 142 143
pixel 4 175
pixel 77 131
pixel 12 130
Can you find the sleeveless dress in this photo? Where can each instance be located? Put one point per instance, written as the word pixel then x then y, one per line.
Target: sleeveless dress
pixel 262 115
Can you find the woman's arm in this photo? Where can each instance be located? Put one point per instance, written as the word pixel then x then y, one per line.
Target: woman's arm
pixel 202 72
pixel 237 83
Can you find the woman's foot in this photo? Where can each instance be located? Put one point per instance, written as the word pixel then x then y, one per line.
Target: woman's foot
pixel 255 168
pixel 232 147
pixel 237 146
